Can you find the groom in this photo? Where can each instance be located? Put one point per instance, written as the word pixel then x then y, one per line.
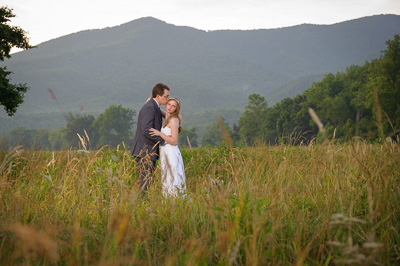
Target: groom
pixel 145 147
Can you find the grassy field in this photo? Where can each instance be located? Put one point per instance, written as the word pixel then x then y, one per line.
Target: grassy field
pixel 280 205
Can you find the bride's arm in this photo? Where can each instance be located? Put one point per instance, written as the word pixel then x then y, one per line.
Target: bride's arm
pixel 170 139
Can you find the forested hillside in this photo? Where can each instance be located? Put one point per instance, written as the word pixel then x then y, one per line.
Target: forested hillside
pixel 91 70
pixel 363 101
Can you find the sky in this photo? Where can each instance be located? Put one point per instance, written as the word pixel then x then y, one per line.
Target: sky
pixel 44 20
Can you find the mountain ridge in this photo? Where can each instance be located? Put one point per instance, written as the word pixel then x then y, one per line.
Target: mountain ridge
pixel 93 69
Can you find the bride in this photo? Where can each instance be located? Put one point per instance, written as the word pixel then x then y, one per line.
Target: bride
pixel 172 168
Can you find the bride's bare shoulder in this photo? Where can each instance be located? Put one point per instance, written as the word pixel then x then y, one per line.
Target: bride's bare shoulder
pixel 174 122
pixel 175 119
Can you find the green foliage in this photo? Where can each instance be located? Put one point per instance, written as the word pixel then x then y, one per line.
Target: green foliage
pixel 234 134
pixel 58 139
pixel 4 142
pixel 114 126
pixel 206 70
pixel 214 134
pixel 31 138
pixel 251 123
pixel 11 96
pixel 202 119
pixel 389 85
pixel 359 101
pixel 363 101
pixel 188 134
pixel 78 124
pixel 10 36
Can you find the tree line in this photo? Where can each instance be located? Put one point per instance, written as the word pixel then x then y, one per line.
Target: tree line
pixel 364 101
pixel 113 127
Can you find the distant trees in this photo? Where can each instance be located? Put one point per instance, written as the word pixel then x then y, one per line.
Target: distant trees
pixel 215 133
pixel 78 124
pixel 30 137
pixel 363 101
pixel 112 127
pixel 188 135
pixel 389 85
pixel 58 139
pixel 11 95
pixel 251 123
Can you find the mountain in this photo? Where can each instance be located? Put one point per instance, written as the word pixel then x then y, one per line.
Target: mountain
pixel 93 69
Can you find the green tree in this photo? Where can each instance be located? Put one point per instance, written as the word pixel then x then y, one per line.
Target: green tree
pixel 78 124
pixel 186 134
pixel 389 87
pixel 42 139
pixel 234 133
pixel 11 96
pixel 391 61
pixel 22 136
pixel 344 102
pixel 4 143
pixel 30 138
pixel 58 138
pixel 214 133
pixel 114 126
pixel 251 123
pixel 270 134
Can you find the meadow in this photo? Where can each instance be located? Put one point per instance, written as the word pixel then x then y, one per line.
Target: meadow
pixel 326 204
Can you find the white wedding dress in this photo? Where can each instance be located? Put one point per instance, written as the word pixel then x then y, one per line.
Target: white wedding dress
pixel 172 168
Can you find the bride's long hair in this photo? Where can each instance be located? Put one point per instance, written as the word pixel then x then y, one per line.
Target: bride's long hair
pixel 176 114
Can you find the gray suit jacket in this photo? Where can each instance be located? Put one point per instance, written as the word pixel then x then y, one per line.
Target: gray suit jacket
pixel 143 143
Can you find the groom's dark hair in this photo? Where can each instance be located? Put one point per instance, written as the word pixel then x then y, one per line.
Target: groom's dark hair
pixel 159 89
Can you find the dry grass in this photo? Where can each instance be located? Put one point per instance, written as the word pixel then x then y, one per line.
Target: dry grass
pixel 261 205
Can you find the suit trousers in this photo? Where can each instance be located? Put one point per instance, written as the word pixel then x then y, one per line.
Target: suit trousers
pixel 146 171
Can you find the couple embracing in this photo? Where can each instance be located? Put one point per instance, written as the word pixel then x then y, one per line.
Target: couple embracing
pixel 151 133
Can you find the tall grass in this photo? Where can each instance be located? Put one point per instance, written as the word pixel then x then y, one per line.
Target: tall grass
pixel 261 205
